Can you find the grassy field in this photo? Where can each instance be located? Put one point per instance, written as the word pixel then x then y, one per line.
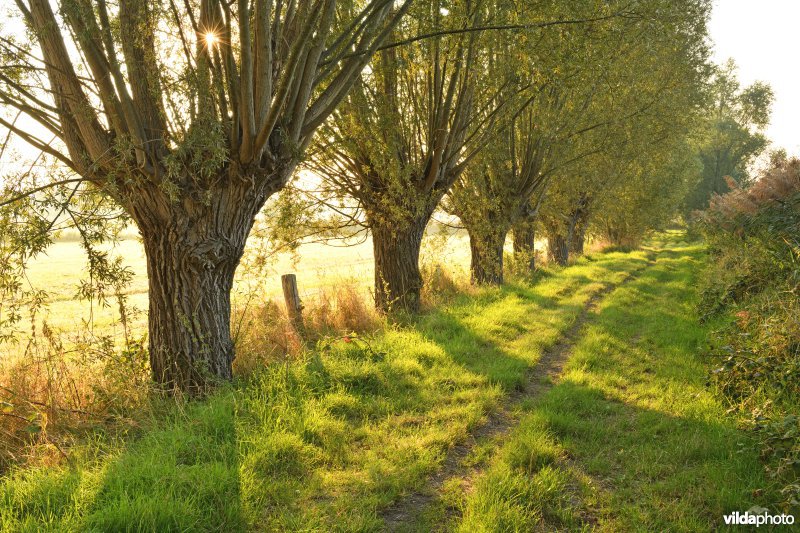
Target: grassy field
pixel 628 439
pixel 318 266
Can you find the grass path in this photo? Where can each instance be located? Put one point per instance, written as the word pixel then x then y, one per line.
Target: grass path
pixel 627 439
pixel 457 469
pixel 442 423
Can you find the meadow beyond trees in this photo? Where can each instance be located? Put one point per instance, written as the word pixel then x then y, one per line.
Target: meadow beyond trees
pixel 499 200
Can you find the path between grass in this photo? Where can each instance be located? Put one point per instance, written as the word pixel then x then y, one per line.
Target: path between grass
pixel 539 379
pixel 626 439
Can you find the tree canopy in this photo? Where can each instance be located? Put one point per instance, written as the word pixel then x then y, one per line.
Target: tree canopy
pixel 733 133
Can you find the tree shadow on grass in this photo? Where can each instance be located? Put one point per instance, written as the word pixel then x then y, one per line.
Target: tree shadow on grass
pixel 521 319
pixel 580 460
pixel 652 470
pixel 320 442
pixel 633 411
pixel 180 475
pixel 326 443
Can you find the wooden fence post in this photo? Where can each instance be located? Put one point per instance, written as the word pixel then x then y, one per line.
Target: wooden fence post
pixel 294 308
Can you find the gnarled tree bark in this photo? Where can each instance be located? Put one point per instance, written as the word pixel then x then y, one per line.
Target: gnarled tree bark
pixel 193 247
pixel 398 281
pixel 486 249
pixel 576 228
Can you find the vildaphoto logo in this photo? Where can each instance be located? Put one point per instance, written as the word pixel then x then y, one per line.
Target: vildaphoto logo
pixel 757 516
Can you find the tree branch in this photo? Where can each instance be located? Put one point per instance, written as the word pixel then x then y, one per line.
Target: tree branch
pixel 33 191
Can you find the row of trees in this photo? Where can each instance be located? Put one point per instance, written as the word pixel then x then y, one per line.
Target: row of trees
pixel 186 117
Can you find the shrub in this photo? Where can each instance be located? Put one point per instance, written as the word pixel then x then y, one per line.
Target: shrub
pixel 751 286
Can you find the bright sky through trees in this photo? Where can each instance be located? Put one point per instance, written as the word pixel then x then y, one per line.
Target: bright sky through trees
pixel 762 37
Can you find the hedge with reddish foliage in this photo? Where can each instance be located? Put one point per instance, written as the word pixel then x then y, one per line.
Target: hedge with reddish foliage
pixel 752 286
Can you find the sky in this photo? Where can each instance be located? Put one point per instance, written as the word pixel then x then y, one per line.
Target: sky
pixel 763 37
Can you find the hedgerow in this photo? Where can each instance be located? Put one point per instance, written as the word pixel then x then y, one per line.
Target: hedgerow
pixel 751 287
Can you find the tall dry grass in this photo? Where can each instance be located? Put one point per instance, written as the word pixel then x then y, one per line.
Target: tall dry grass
pixel 264 332
pixel 61 385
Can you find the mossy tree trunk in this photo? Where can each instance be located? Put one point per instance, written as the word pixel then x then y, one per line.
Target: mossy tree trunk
pixel 398 281
pixel 558 248
pixel 486 249
pixel 524 236
pixel 578 239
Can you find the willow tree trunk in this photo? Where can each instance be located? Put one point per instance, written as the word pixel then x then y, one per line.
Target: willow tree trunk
pixel 398 281
pixel 617 236
pixel 193 246
pixel 578 220
pixel 486 249
pixel 190 310
pixel 524 237
pixel 558 248
pixel 578 239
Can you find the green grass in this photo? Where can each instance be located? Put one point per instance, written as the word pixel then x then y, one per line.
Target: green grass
pixel 630 439
pixel 318 444
pixel 326 442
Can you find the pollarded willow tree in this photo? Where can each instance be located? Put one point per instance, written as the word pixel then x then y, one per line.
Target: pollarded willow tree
pixel 590 85
pixel 631 178
pixel 496 189
pixel 189 116
pixel 560 72
pixel 404 134
pixel 618 193
pixel 419 116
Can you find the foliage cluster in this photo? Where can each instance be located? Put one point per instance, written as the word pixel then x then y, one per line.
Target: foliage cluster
pixel 635 159
pixel 751 287
pixel 732 135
